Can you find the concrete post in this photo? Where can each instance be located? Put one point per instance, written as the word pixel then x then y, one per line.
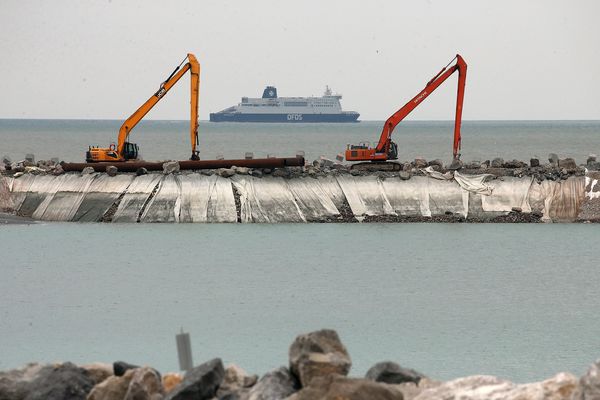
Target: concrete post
pixel 184 351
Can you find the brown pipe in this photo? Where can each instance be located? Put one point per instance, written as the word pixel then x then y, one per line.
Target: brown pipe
pixel 132 166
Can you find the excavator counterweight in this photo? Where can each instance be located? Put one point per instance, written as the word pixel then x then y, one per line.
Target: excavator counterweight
pixel 386 149
pixel 123 150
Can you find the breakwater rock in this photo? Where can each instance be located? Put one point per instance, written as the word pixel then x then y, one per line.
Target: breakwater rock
pixel 320 192
pixel 321 353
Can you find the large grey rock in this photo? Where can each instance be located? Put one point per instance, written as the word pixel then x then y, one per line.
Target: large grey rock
pixel 120 367
pixel 390 372
pixel 455 165
pixel 514 164
pixel 534 162
pixel 87 171
pixel 420 162
pixel 59 382
pixel 560 387
pixel 226 172
pixel 567 163
pixel 242 170
pixel 111 170
pixel 275 385
pixel 141 171
pixel 146 384
pixel 589 384
pixel 553 159
pixel 98 371
pixel 58 170
pixel 318 353
pixel 7 161
pixel 201 383
pixel 13 383
pixel 497 162
pixel 437 162
pixel 336 387
pixel 236 382
pixel 170 167
pixel 405 175
pixel 113 388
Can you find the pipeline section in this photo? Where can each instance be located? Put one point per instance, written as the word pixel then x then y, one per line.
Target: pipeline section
pixel 132 166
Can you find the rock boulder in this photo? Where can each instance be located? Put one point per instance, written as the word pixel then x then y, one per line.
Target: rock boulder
pixel 111 170
pixel 480 387
pixel 98 371
pixel 318 353
pixel 113 388
pixel 336 387
pixel 170 167
pixel 201 383
pixel 497 162
pixel 59 382
pixel 390 372
pixel 275 385
pixel 146 384
pixel 120 367
pixel 589 384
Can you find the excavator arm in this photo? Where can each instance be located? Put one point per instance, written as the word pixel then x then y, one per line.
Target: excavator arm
pixel 125 150
pixel 386 149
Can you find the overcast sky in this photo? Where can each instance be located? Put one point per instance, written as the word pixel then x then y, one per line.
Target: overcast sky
pixel 101 59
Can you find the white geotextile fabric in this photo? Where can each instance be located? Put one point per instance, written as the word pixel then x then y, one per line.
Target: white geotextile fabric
pixel 65 201
pixel 102 193
pixel 6 201
pixel 474 183
pixel 166 203
pixel 558 200
pixel 19 188
pixel 206 199
pixel 312 198
pixel 136 196
pixel 365 195
pixel 266 200
pixel 508 193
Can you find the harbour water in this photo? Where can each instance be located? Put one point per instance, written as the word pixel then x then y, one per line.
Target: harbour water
pixel 162 140
pixel 517 301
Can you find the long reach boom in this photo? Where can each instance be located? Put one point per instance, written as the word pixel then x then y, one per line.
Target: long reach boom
pixel 386 149
pixel 124 150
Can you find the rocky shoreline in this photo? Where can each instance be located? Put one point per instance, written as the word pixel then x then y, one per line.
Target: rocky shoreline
pixel 318 369
pixel 323 191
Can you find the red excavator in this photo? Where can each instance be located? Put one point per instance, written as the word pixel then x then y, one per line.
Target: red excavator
pixel 388 150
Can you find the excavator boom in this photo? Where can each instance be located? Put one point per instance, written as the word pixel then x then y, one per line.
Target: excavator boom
pixel 124 150
pixel 386 149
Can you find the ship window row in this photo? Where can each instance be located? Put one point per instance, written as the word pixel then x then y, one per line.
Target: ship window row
pixel 295 104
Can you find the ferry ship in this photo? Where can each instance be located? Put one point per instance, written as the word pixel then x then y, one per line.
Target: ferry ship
pixel 270 108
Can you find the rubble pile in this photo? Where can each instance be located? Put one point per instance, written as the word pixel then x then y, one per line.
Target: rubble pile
pixel 318 368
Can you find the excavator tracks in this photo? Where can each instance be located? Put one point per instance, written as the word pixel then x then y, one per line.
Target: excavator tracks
pixel 377 166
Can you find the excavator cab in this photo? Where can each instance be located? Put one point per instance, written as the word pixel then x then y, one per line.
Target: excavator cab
pixel 393 153
pixel 130 151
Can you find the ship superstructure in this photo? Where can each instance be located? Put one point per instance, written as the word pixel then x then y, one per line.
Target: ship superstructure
pixel 271 108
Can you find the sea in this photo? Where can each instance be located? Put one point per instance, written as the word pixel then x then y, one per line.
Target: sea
pixel 518 301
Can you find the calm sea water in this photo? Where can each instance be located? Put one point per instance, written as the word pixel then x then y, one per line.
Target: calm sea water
pixel 518 301
pixel 160 140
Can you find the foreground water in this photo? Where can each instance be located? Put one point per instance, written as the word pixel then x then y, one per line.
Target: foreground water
pixel 518 301
pixel 160 140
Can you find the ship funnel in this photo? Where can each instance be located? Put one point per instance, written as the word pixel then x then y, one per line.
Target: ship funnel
pixel 270 92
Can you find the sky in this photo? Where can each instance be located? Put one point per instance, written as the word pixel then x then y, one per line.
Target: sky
pixel 527 60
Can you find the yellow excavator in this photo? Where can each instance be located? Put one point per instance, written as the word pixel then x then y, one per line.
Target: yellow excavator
pixel 126 151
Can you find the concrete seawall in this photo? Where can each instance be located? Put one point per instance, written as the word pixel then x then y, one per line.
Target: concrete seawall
pixel 338 197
